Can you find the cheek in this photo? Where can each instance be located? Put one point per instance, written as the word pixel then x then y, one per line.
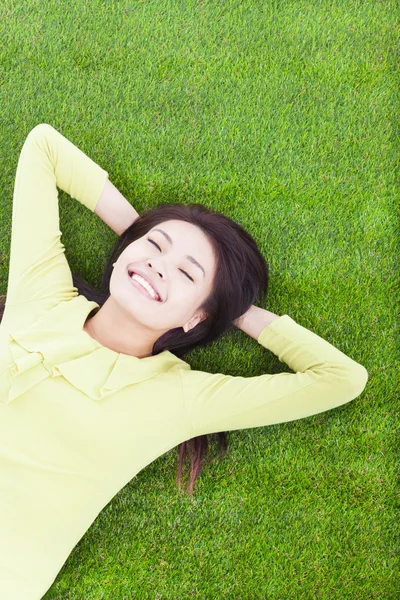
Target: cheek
pixel 184 299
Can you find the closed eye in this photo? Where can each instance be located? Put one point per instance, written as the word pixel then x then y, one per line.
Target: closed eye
pixel 187 275
pixel 157 246
pixel 154 244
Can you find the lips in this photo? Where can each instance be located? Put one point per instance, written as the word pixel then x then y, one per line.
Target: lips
pixel 135 271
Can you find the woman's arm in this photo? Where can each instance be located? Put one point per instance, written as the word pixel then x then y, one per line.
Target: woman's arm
pixel 323 378
pixel 114 209
pixel 255 320
pixel 38 268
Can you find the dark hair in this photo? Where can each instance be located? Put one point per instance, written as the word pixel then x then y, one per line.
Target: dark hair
pixel 241 277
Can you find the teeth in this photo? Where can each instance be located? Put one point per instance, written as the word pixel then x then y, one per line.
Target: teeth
pixel 146 285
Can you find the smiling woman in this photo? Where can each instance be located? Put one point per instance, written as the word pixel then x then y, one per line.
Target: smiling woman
pixel 207 271
pixel 166 268
pixel 93 384
pixel 160 271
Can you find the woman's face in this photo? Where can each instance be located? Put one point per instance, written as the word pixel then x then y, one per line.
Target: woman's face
pixel 178 261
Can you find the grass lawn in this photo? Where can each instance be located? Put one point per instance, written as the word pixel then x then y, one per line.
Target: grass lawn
pixel 283 116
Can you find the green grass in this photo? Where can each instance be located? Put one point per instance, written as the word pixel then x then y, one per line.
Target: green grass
pixel 284 116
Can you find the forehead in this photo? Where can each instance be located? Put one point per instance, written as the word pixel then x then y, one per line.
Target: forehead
pixel 183 232
pixel 187 236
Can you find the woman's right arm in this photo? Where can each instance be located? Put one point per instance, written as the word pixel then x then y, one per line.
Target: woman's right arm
pixel 114 209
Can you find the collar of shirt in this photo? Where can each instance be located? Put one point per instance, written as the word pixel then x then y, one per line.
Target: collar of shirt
pixel 56 345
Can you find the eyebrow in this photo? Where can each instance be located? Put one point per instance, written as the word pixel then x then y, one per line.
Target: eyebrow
pixel 192 260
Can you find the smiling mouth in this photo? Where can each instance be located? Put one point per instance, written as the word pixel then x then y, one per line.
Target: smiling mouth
pixel 140 283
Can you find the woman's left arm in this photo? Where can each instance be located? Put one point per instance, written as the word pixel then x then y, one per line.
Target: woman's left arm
pixel 255 320
pixel 323 378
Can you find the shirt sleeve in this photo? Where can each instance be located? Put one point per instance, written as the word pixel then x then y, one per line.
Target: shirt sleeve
pixel 38 266
pixel 324 378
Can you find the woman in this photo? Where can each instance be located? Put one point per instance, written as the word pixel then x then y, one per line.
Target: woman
pixel 93 391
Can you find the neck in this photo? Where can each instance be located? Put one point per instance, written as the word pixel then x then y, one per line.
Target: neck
pixel 111 328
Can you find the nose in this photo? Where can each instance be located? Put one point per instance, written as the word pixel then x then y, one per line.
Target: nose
pixel 160 274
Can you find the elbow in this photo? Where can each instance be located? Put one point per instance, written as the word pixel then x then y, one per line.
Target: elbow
pixel 362 378
pixel 349 381
pixel 356 381
pixel 41 128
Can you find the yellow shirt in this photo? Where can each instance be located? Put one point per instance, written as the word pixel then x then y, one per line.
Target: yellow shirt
pixel 78 420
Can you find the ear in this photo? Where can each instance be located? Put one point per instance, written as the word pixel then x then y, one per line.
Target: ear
pixel 195 320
